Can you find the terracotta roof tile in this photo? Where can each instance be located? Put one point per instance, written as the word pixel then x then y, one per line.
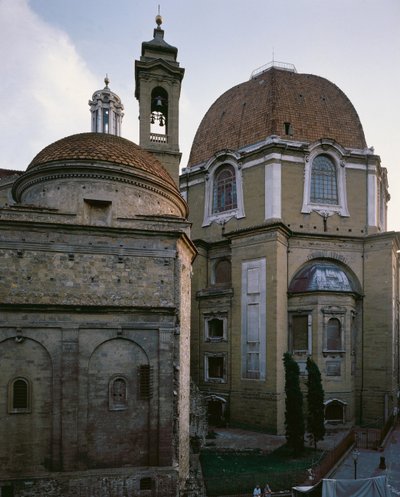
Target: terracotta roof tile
pixel 256 109
pixel 104 148
pixel 9 172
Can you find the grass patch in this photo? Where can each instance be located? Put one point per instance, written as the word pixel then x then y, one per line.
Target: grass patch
pixel 227 473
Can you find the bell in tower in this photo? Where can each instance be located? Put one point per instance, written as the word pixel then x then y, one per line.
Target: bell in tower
pixel 158 84
pixel 106 110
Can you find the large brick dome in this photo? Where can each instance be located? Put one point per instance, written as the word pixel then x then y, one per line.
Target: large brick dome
pixel 300 107
pixel 101 147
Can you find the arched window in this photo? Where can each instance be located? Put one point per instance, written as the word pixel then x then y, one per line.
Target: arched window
pixel 159 115
pixel 333 335
pixel 223 199
pixel 19 396
pixel 222 272
pixel 224 190
pixel 118 394
pixel 323 181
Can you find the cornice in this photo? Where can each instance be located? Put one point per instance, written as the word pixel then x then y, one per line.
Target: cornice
pixel 119 174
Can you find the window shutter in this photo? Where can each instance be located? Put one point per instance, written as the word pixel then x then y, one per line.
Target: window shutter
pixel 145 381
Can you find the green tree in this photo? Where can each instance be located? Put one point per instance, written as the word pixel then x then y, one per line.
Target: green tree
pixel 294 417
pixel 315 403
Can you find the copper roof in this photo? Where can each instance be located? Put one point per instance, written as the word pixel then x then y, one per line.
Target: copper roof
pixel 313 106
pixel 101 147
pixel 323 276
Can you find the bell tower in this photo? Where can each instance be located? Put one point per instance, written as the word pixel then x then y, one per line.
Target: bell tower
pixel 158 85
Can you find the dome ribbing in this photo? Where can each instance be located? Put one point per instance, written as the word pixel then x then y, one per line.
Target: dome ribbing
pixel 101 147
pixel 300 107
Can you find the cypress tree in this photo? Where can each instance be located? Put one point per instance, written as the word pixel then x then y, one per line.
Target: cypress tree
pixel 315 403
pixel 294 417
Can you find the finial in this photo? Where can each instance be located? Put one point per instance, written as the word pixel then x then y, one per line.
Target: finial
pixel 106 81
pixel 158 18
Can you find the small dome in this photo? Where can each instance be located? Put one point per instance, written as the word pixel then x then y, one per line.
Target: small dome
pixel 300 107
pixel 101 147
pixel 323 276
pixel 99 169
pixel 106 111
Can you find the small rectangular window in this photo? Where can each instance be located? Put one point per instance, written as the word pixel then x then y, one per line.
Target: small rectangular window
pixel 215 328
pixel 145 483
pixel 300 333
pixel 215 368
pixel 288 129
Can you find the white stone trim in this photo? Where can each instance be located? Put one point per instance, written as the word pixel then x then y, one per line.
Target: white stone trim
pixel 326 209
pixel 253 293
pixel 212 379
pixel 273 190
pixel 221 158
pixel 222 316
pixel 372 199
pixel 358 166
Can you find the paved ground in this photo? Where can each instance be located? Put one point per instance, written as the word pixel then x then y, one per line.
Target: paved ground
pixel 368 463
pixel 235 438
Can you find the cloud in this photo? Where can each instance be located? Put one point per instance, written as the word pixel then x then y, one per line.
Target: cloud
pixel 46 85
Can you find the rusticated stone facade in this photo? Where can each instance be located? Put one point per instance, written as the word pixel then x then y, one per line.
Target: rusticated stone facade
pixel 94 325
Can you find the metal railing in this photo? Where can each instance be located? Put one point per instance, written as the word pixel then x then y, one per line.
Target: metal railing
pixel 285 66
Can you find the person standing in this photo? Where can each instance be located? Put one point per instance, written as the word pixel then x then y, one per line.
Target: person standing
pixel 257 491
pixel 267 490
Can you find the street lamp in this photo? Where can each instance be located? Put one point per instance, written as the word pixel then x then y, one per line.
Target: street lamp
pixel 355 455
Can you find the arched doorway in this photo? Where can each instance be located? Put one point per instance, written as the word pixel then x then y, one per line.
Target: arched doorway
pixel 216 410
pixel 335 411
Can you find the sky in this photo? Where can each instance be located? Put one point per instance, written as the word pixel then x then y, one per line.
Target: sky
pixel 55 54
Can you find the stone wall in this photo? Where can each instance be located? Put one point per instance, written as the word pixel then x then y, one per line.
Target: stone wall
pixel 128 482
pixel 81 269
pixel 97 323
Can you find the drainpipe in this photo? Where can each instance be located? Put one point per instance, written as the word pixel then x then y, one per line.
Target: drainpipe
pixel 363 289
pixel 366 195
pixel 362 339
